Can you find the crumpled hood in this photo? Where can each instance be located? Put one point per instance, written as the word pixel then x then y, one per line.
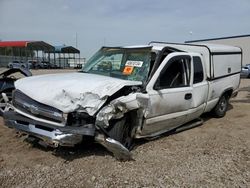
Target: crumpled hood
pixel 72 91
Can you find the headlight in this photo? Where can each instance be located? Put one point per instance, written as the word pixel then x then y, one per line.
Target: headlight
pixel 77 119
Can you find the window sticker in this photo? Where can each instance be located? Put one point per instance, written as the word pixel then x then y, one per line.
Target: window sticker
pixel 134 63
pixel 128 70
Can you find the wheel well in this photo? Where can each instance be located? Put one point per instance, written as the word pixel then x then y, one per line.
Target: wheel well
pixel 132 119
pixel 228 93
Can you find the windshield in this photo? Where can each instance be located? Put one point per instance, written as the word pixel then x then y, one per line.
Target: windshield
pixel 127 64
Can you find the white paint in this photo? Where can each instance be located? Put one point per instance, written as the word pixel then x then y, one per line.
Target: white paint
pixel 72 91
pixel 226 64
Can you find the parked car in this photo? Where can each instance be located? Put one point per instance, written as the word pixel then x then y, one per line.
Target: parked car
pixel 142 92
pixel 39 64
pixel 45 65
pixel 32 63
pixel 7 80
pixel 18 64
pixel 245 71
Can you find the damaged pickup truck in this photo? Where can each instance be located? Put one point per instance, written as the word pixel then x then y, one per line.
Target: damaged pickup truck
pixel 124 93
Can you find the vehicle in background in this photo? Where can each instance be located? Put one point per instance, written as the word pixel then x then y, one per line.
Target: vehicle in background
pixel 45 65
pixel 54 66
pixel 18 64
pixel 245 71
pixel 127 93
pixel 7 79
pixel 34 64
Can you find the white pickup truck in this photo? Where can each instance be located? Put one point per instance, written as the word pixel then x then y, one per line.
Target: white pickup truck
pixel 123 93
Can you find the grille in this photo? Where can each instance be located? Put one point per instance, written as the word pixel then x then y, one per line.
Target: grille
pixel 32 107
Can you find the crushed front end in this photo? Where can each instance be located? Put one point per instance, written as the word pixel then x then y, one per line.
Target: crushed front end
pixel 54 128
pixel 46 122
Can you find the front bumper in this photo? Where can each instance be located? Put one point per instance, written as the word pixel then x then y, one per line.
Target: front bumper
pixel 50 134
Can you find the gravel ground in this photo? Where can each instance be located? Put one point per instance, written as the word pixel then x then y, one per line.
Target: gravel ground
pixel 216 154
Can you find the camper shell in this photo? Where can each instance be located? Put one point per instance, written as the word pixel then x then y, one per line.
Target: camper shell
pixel 219 60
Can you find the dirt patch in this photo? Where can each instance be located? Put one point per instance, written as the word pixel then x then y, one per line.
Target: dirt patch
pixel 216 154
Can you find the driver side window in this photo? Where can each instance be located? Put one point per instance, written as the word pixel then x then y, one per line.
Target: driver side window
pixel 109 63
pixel 176 73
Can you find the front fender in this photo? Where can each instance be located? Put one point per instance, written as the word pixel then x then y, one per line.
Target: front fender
pixel 118 107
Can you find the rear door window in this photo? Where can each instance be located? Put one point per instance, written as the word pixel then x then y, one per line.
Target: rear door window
pixel 198 70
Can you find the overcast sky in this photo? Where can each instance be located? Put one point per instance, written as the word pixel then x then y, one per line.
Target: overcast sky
pixel 121 22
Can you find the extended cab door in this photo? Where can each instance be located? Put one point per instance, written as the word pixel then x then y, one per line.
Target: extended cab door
pixel 200 88
pixel 170 94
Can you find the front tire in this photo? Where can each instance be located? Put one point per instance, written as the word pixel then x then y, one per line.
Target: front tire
pixel 221 107
pixel 121 131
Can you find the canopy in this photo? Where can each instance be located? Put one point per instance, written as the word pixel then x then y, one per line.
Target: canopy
pixel 33 45
pixel 64 49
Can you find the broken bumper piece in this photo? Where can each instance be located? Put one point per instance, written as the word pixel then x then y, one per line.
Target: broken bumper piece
pixel 119 151
pixel 63 136
pixel 50 134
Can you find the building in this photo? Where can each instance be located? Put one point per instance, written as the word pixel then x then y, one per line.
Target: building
pixel 242 41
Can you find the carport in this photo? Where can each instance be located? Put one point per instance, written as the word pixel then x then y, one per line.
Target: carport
pixel 65 55
pixel 24 50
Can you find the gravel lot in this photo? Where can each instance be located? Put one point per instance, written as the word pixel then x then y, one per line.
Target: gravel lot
pixel 216 154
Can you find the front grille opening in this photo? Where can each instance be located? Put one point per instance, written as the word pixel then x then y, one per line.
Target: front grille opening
pixel 22 122
pixel 44 128
pixel 37 126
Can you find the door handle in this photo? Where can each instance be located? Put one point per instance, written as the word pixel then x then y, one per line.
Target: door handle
pixel 188 96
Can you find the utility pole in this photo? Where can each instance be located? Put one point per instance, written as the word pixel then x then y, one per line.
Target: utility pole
pixel 76 40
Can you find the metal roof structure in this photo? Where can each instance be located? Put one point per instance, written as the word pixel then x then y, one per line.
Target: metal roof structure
pixel 242 41
pixel 64 49
pixel 34 45
pixel 221 38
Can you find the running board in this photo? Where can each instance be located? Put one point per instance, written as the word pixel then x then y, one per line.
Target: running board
pixel 190 125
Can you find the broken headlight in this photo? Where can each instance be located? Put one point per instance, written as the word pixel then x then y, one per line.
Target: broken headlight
pixel 76 119
pixel 109 112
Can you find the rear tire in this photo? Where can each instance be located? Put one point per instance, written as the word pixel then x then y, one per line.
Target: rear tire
pixel 221 107
pixel 121 132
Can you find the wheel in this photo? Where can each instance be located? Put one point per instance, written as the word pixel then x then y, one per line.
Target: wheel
pixel 11 66
pixel 3 102
pixel 22 66
pixel 221 107
pixel 121 132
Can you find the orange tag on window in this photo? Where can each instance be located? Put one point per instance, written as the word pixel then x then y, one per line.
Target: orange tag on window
pixel 128 70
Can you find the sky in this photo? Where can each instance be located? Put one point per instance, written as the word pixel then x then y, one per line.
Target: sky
pixel 95 23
